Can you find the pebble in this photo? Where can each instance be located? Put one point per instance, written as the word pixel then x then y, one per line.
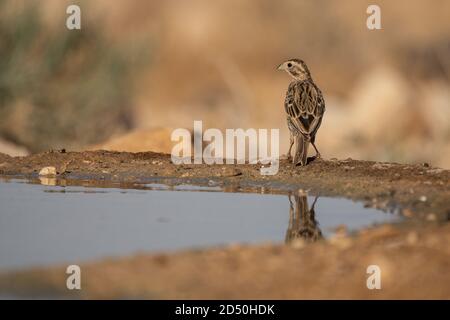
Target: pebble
pixel 48 171
pixel 379 166
pixel 229 172
pixel 212 183
pixel 435 171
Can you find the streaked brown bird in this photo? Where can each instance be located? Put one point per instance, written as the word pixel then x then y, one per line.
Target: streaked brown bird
pixel 302 220
pixel 305 106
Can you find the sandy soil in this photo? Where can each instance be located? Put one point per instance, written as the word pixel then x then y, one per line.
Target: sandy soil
pixel 414 256
pixel 414 264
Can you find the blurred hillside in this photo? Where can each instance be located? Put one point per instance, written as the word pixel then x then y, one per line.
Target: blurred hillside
pixel 139 65
pixel 58 87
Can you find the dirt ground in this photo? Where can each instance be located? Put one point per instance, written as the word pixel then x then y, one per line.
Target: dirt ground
pixel 414 264
pixel 414 256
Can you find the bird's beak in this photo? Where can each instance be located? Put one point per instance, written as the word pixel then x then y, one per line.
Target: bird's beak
pixel 281 67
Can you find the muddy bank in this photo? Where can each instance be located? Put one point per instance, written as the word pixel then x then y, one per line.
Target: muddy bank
pixel 419 190
pixel 414 256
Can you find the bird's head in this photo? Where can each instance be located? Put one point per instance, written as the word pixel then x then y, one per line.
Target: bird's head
pixel 296 68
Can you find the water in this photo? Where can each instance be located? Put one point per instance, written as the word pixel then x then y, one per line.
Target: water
pixel 45 225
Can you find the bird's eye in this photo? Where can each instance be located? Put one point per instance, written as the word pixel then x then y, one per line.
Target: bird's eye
pixel 289 65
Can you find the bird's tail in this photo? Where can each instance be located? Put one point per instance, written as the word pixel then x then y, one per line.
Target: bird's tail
pixel 301 150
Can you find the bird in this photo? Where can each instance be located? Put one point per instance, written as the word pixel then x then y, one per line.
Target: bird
pixel 302 220
pixel 305 106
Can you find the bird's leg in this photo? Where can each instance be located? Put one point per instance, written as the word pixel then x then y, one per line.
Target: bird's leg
pixel 299 152
pixel 294 164
pixel 291 205
pixel 295 139
pixel 291 141
pixel 314 202
pixel 317 151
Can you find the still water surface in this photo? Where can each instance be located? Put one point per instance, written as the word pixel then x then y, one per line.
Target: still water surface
pixel 45 225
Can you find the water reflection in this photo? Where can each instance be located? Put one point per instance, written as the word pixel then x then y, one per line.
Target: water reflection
pixel 69 223
pixel 302 221
pixel 47 181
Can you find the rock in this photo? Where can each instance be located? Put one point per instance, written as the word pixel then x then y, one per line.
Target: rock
pixel 140 140
pixel 229 172
pixel 12 149
pixel 63 168
pixel 186 174
pixel 48 171
pixel 381 166
pixel 435 171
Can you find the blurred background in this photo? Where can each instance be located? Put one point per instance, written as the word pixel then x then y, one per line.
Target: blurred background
pixel 138 69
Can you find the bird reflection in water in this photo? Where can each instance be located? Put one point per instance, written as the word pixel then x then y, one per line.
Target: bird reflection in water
pixel 302 221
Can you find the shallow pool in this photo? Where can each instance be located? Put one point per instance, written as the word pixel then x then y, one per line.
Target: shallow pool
pixel 45 225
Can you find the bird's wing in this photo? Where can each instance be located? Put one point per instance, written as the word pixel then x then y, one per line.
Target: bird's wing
pixel 305 106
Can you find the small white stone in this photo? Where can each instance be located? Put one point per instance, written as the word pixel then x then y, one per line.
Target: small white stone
pixel 48 171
